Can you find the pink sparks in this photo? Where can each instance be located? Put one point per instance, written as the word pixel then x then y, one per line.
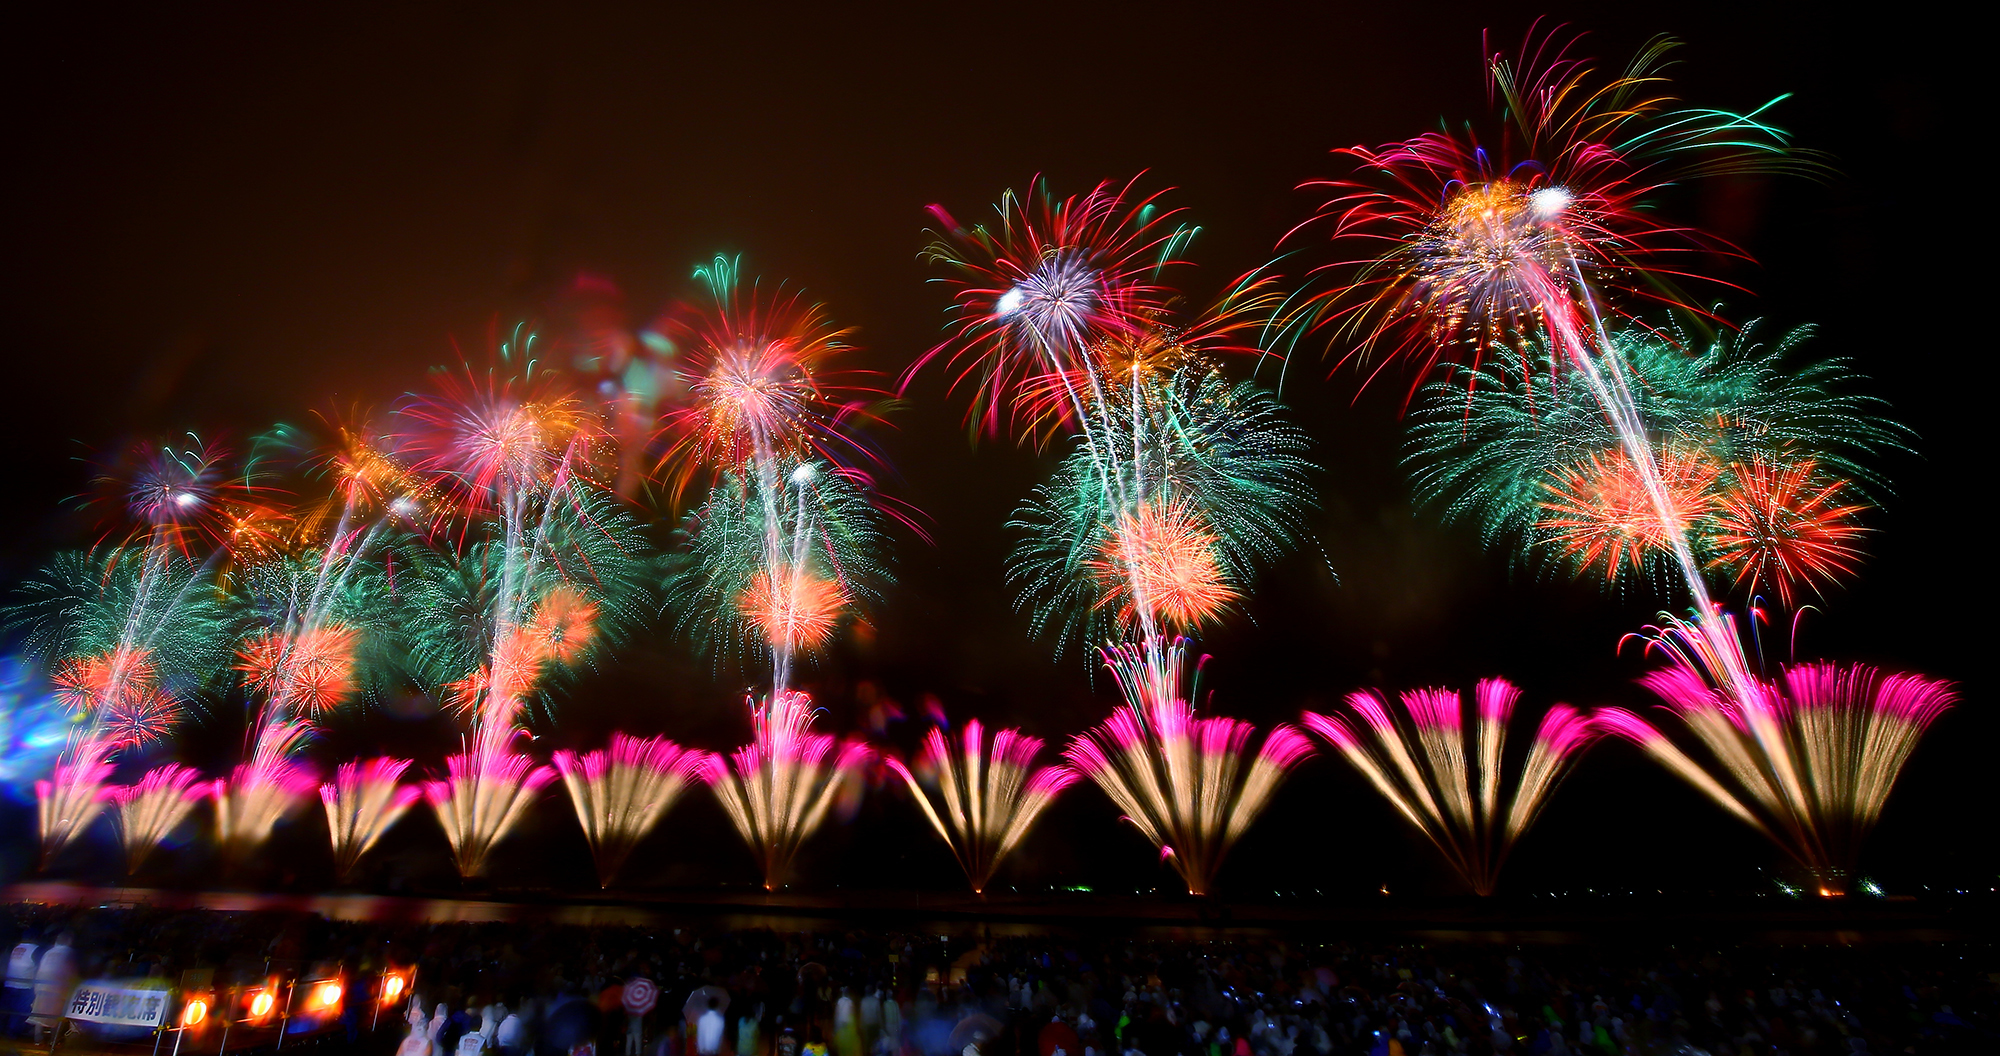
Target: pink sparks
pixel 1285 748
pixel 1334 729
pixel 1435 709
pixel 1050 780
pixel 1619 722
pixel 1565 730
pixel 1496 697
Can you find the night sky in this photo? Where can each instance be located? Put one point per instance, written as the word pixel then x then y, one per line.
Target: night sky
pixel 217 221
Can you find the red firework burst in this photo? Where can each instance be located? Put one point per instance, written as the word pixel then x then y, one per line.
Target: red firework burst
pixel 1470 241
pixel 563 625
pixel 1600 514
pixel 117 678
pixel 758 369
pixel 1785 527
pixel 312 670
pixel 1054 278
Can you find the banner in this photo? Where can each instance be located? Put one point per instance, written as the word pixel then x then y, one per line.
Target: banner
pixel 113 1003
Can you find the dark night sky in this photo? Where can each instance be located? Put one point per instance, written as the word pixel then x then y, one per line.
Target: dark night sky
pixel 219 220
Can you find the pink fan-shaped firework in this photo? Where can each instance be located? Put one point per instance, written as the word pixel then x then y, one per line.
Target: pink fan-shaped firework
pixel 71 797
pixel 1448 784
pixel 480 801
pixel 1182 781
pixel 149 811
pixel 1807 759
pixel 621 793
pixel 778 788
pixel 363 801
pixel 988 794
pixel 255 797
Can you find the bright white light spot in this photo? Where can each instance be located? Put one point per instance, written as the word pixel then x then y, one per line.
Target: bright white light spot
pixel 1010 302
pixel 804 474
pixel 1549 202
pixel 403 506
pixel 186 498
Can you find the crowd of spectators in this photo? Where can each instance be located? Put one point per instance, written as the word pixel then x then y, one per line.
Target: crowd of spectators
pixel 711 989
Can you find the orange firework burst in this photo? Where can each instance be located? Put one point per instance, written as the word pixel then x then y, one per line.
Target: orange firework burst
pixel 563 625
pixel 1163 557
pixel 799 612
pixel 313 670
pixel 1599 511
pixel 1786 526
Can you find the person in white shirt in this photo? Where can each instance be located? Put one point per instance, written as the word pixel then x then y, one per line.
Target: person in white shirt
pixel 708 1030
pixel 20 993
pixel 55 979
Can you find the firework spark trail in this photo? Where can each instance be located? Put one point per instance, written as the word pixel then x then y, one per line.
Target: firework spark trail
pixel 769 411
pixel 546 566
pixel 1453 796
pixel 1488 247
pixel 258 794
pixel 513 455
pixel 1808 761
pixel 149 811
pixel 71 797
pixel 989 794
pixel 621 793
pixel 480 801
pixel 1180 780
pixel 127 628
pixel 315 598
pixel 364 800
pixel 1761 458
pixel 778 788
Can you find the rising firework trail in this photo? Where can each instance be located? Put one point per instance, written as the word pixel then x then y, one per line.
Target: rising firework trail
pixel 1543 235
pixel 1808 760
pixel 131 629
pixel 778 788
pixel 544 566
pixel 1763 460
pixel 150 810
pixel 315 597
pixel 1447 780
pixel 1188 784
pixel 364 800
pixel 987 794
pixel 621 793
pixel 784 548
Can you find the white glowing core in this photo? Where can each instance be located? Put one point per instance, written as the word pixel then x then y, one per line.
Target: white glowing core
pixel 1549 202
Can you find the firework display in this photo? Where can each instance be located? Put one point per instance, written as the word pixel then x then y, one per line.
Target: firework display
pixel 1454 796
pixel 363 801
pixel 149 811
pixel 1763 463
pixel 778 788
pixel 787 545
pixel 988 796
pixel 1808 761
pixel 466 556
pixel 1544 235
pixel 1190 785
pixel 621 792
